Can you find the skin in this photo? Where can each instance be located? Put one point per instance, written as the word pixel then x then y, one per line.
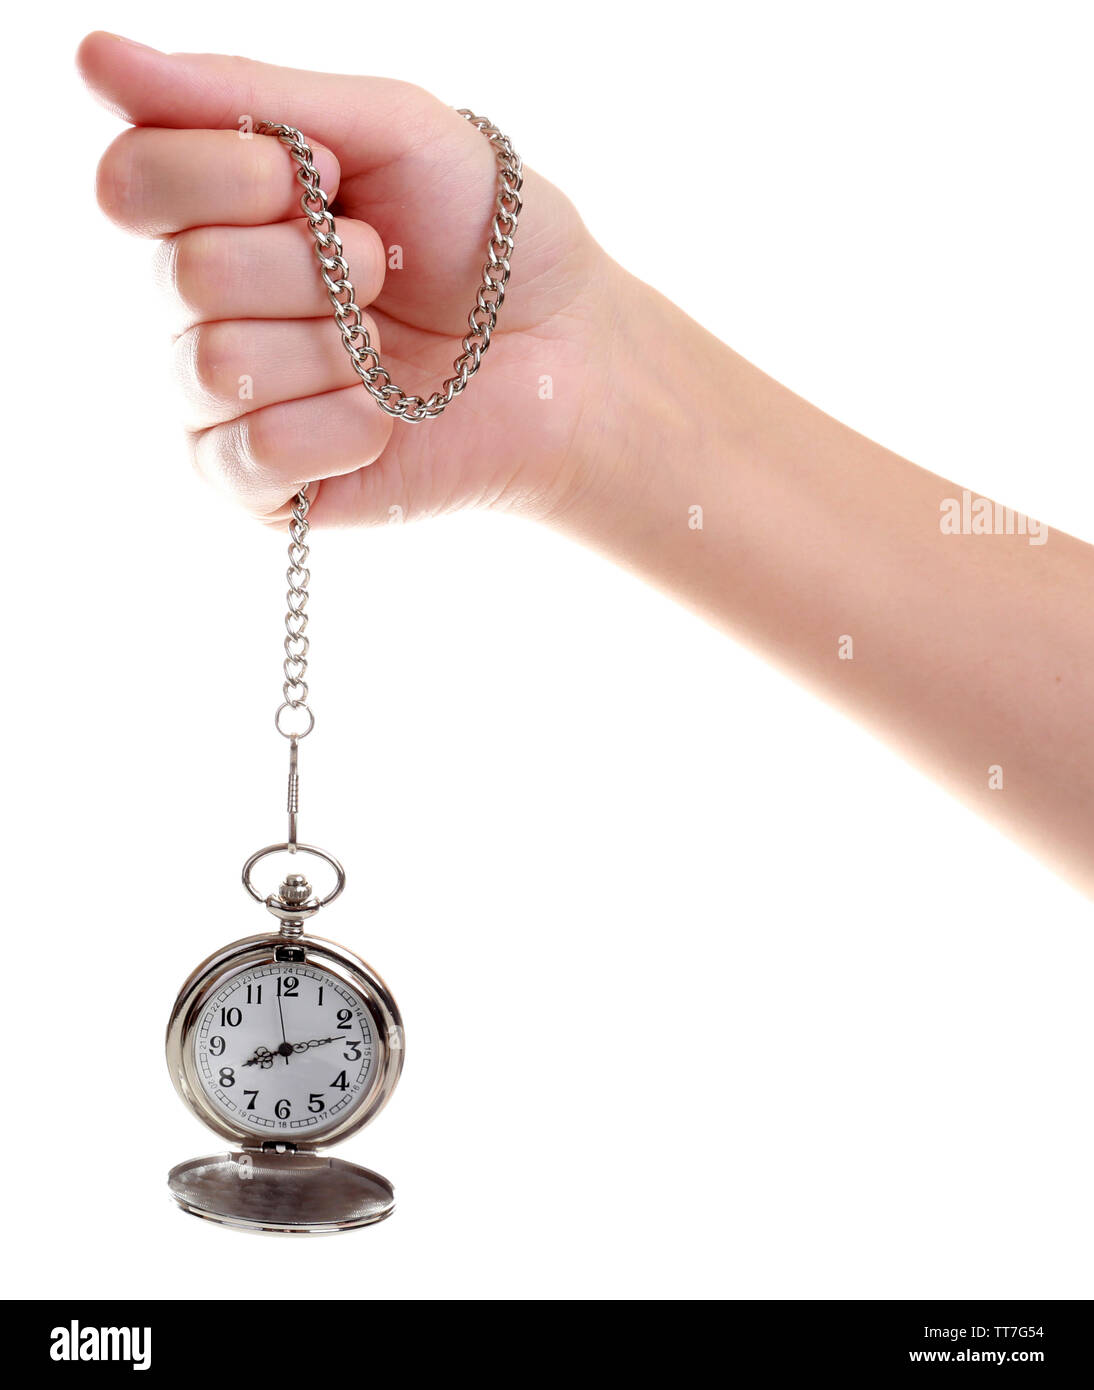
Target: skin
pixel 971 652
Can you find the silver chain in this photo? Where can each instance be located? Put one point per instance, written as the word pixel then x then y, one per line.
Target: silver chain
pixel 295 665
pixel 481 322
pixel 482 319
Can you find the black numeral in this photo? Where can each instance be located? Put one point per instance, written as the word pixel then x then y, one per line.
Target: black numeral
pixel 288 986
pixel 315 1102
pixel 254 994
pixel 231 1018
pixel 340 1082
pixel 345 1018
pixel 355 1055
pixel 227 1076
pixel 282 1109
pixel 216 1045
pixel 253 1097
pixel 320 994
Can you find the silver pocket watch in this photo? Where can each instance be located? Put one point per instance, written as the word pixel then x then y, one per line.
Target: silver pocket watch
pixel 283 1043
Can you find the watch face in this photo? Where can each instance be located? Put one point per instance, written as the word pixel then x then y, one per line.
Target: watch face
pixel 286 1050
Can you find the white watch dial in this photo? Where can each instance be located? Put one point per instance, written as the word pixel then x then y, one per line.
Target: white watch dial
pixel 286 1050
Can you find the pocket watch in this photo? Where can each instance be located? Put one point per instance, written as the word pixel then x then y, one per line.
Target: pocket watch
pixel 283 1043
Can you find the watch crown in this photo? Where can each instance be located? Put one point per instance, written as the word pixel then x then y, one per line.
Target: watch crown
pixel 295 890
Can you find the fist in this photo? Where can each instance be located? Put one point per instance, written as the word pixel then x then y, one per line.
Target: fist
pixel 272 398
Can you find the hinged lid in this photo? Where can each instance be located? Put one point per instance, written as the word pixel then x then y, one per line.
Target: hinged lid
pixel 294 1192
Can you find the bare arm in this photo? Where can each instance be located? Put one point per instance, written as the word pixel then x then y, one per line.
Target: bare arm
pixel 873 581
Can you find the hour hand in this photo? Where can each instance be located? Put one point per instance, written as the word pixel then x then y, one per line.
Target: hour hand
pixel 263 1058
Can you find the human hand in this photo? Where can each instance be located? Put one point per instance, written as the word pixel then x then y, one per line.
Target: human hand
pixel 401 169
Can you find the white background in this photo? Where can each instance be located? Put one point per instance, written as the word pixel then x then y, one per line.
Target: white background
pixel 706 993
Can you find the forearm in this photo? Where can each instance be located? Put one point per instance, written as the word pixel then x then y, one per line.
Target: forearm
pixel 826 553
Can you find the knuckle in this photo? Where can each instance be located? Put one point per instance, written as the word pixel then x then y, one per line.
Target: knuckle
pixel 165 264
pixel 183 265
pixel 209 361
pixel 199 462
pixel 255 445
pixel 222 457
pixel 410 98
pixel 120 183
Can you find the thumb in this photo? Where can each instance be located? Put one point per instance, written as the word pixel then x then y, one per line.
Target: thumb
pixel 369 120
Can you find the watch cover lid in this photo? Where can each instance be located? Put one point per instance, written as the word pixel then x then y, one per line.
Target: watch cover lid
pixel 289 1192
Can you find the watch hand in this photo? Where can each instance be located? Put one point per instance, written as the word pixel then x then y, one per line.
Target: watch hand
pixel 263 1058
pixel 281 1016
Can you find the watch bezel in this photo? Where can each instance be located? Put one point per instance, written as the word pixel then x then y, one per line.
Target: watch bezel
pixel 252 951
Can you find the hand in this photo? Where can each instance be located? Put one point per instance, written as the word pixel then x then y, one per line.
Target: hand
pixel 402 170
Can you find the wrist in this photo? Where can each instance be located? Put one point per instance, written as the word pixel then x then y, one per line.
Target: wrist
pixel 656 426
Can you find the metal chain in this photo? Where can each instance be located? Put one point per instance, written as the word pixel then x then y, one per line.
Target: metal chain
pixel 481 322
pixel 482 319
pixel 295 666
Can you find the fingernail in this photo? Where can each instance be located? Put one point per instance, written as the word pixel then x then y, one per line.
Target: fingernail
pixel 133 43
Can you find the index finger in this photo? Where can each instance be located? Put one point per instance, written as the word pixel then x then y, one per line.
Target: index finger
pixel 370 121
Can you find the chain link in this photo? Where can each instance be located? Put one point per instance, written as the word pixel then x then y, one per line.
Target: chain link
pixel 481 322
